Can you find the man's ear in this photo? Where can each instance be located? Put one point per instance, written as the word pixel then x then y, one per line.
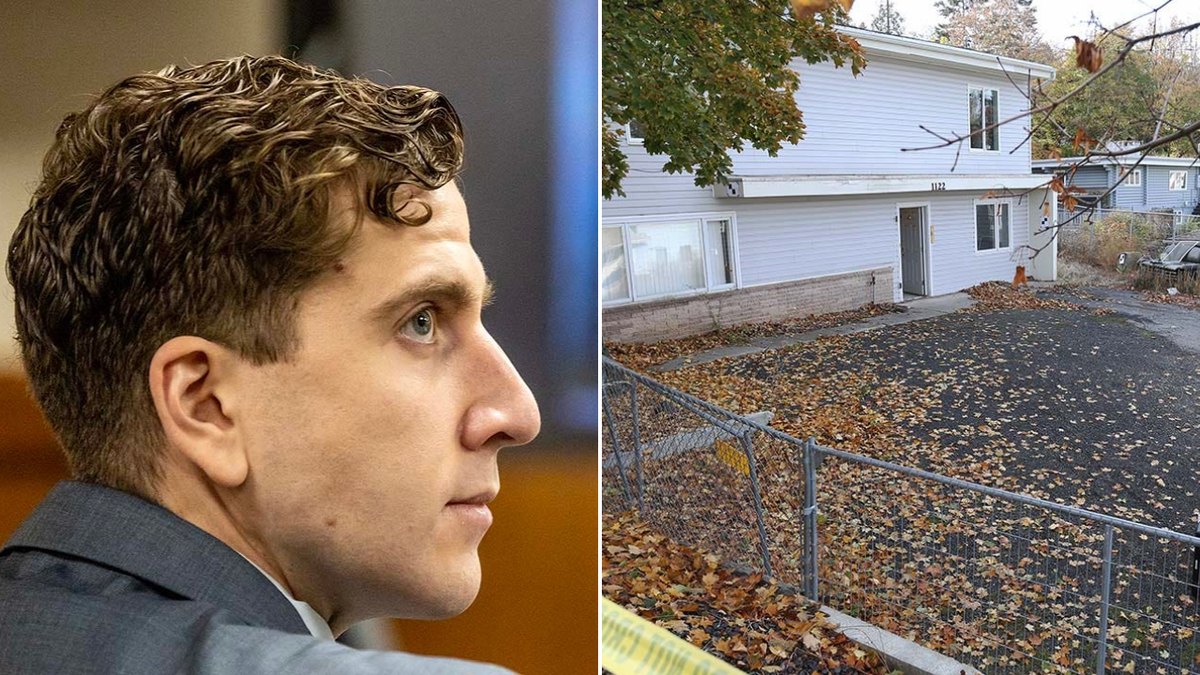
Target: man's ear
pixel 191 381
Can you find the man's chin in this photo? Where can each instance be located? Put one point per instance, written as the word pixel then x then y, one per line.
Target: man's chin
pixel 453 595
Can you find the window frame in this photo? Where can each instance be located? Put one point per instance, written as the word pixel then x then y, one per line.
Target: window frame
pixel 983 118
pixel 995 231
pixel 1129 178
pixel 1171 173
pixel 630 138
pixel 702 221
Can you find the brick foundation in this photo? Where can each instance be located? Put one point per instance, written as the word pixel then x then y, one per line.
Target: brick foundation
pixel 680 317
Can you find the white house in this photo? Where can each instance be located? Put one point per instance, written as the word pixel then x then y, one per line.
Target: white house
pixel 845 217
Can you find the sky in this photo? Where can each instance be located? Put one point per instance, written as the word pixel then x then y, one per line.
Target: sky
pixel 1056 18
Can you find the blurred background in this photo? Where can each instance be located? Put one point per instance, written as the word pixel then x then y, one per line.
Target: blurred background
pixel 523 77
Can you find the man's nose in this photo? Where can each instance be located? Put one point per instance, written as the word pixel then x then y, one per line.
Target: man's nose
pixel 504 412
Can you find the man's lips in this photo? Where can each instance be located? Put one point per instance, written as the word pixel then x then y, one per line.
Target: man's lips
pixel 473 512
pixel 482 498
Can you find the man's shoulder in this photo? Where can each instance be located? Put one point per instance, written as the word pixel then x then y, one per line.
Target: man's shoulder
pixel 68 615
pixel 63 611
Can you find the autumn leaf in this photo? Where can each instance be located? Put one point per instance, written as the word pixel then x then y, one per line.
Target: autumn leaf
pixel 1082 140
pixel 921 394
pixel 1088 55
pixel 807 8
pixel 727 617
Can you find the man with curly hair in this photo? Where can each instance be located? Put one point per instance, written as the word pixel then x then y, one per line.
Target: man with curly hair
pixel 248 306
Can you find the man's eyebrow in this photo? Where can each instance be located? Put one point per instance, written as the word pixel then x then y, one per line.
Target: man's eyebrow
pixel 455 294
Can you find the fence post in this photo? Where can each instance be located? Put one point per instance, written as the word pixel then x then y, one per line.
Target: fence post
pixel 1196 566
pixel 758 507
pixel 637 449
pixel 612 431
pixel 810 515
pixel 1105 592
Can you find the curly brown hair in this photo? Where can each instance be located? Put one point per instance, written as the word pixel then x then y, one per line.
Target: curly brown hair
pixel 195 201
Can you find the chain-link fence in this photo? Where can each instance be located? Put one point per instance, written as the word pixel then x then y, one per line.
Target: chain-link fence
pixel 1006 583
pixel 1089 224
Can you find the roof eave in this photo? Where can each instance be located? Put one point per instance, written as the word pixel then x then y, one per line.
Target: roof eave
pixel 926 50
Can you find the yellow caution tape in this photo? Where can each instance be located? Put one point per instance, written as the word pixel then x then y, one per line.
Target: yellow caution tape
pixel 634 646
pixel 732 456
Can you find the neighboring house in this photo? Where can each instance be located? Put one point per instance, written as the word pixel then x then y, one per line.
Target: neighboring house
pixel 845 217
pixel 1157 183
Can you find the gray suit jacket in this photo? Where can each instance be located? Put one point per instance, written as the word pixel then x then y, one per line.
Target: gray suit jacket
pixel 99 581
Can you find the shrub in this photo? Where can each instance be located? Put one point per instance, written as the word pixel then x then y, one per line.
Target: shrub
pixel 1100 242
pixel 1158 281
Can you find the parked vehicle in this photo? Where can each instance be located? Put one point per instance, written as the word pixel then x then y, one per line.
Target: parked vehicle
pixel 1180 258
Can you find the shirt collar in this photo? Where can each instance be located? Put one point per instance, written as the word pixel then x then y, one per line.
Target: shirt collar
pixel 312 619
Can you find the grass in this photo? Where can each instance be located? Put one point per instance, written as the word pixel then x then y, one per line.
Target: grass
pixel 1099 243
pixel 1157 282
pixel 1078 273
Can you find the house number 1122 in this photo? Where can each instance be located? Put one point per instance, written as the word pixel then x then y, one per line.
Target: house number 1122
pixel 937 186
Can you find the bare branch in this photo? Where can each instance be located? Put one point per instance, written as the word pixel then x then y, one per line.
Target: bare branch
pixel 1150 145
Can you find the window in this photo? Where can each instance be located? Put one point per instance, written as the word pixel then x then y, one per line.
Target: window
pixel 719 250
pixel 635 132
pixel 614 277
pixel 648 259
pixel 991 225
pixel 983 105
pixel 1177 180
pixel 1133 178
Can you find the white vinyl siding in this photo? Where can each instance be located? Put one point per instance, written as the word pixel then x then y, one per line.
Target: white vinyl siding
pixel 854 126
pixel 1158 192
pixel 653 258
pixel 784 239
pixel 790 239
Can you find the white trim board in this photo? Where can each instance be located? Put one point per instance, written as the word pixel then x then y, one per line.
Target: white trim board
pixel 925 50
pixel 752 187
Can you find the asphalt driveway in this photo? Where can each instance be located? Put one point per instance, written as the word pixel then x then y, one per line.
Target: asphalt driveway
pixel 1097 409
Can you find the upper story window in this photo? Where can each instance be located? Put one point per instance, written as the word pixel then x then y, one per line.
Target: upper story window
pixel 1133 178
pixel 1177 180
pixel 991 224
pixel 635 132
pixel 667 256
pixel 983 106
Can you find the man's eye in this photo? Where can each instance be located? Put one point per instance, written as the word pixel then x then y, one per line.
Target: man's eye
pixel 422 326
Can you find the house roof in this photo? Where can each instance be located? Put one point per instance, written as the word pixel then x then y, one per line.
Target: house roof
pixel 1128 160
pixel 924 50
